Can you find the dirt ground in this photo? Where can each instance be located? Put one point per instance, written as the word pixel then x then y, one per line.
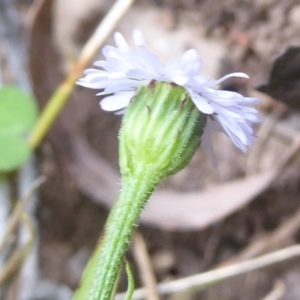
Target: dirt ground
pixel 230 35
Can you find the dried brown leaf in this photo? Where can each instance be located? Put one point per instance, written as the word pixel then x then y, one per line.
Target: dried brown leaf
pixel 284 79
pixel 199 209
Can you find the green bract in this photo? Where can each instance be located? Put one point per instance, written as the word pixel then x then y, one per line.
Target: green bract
pixel 161 130
pixel 18 113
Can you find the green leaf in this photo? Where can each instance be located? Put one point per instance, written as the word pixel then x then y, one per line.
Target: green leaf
pixel 18 111
pixel 14 152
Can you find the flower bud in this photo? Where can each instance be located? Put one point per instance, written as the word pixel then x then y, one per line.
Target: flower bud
pixel 161 130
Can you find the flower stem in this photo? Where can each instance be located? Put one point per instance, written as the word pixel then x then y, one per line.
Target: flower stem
pixel 101 273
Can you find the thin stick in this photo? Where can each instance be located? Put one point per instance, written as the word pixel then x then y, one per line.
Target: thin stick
pixel 145 268
pixel 20 254
pixel 206 279
pixel 104 30
pixel 270 241
pixel 62 93
pixel 277 292
pixel 19 209
pixel 288 228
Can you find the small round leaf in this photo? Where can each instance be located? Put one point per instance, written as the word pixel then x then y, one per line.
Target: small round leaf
pixel 18 111
pixel 14 152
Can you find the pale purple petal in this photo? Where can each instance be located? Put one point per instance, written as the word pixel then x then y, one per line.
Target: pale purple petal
pixel 116 102
pixel 180 80
pixel 201 103
pixel 189 56
pixel 138 38
pixel 236 74
pixel 120 41
pixel 120 112
pixel 124 70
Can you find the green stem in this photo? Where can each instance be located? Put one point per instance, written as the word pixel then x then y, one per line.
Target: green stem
pixel 102 270
pixel 53 108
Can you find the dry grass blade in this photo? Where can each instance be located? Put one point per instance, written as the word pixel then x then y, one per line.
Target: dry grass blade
pixel 20 254
pixel 19 209
pixel 277 293
pixel 104 29
pixel 270 241
pixel 201 281
pixel 291 152
pixel 278 237
pixel 144 264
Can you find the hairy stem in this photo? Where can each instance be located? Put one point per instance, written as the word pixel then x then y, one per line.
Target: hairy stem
pixel 102 270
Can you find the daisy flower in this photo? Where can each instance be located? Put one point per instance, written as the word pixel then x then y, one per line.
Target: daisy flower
pixel 124 70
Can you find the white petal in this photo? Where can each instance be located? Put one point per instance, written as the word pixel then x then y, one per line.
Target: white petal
pixel 93 71
pixel 112 52
pixel 218 95
pixel 235 132
pixel 91 85
pixel 138 38
pixel 126 85
pixel 120 41
pixel 180 80
pixel 120 112
pixel 189 56
pixel 237 74
pixel 116 102
pixel 149 60
pixel 201 103
pixel 248 101
pixel 140 74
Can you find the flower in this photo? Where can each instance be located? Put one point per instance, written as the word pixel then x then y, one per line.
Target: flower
pixel 125 70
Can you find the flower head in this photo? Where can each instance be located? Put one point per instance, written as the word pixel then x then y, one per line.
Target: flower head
pixel 125 70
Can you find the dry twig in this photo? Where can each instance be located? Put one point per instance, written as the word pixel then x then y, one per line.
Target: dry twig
pixel 17 258
pixel 144 263
pixel 277 292
pixel 270 241
pixel 201 281
pixel 19 209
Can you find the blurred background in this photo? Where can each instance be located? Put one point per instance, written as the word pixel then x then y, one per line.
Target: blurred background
pixel 202 218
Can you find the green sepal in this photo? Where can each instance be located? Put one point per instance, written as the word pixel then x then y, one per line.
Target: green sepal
pixel 161 130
